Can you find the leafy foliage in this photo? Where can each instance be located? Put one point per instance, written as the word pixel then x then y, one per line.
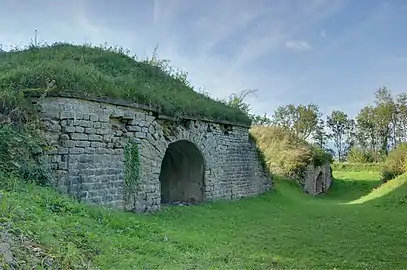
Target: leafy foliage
pixel 18 154
pixel 396 162
pixel 286 154
pixel 302 119
pixel 357 167
pixel 357 155
pixel 110 72
pixel 339 124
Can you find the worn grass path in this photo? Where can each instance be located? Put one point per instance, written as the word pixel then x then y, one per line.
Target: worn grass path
pixel 349 228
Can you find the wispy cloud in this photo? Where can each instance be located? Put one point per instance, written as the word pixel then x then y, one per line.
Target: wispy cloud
pixel 298 45
pixel 224 45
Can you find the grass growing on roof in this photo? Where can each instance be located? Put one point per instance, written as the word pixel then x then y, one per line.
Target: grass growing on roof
pixel 112 73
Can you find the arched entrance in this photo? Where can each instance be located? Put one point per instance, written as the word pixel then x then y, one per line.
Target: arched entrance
pixel 182 173
pixel 319 184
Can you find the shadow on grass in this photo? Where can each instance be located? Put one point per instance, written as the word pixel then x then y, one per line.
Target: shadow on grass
pixel 346 190
pixel 392 194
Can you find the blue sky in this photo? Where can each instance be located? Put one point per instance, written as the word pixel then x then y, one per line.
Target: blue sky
pixel 334 53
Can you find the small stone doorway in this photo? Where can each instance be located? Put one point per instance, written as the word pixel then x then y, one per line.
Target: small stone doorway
pixel 182 174
pixel 319 184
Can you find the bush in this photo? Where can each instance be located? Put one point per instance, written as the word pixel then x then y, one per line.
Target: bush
pixel 356 155
pixel 387 174
pixel 357 167
pixel 284 153
pixel 19 152
pixel 396 162
pixel 321 156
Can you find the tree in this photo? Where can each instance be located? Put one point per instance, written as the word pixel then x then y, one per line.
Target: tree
pixel 386 119
pixel 350 137
pixel 338 123
pixel 367 129
pixel 320 136
pixel 301 119
pixel 401 107
pixel 258 120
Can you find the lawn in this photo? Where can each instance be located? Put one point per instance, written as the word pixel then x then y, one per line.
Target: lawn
pixel 354 226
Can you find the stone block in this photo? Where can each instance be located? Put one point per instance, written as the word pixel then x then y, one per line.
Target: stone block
pixel 90 130
pixel 67 115
pixel 141 135
pixel 68 129
pixel 79 129
pixel 82 144
pixel 103 131
pixel 68 143
pixel 79 137
pixel 94 137
pixel 133 128
pixel 97 144
pixel 86 123
pixel 94 117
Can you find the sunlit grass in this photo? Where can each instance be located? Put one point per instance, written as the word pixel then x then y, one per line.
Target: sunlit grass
pixel 396 189
pixel 282 229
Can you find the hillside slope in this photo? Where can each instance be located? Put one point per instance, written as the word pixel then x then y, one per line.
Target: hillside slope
pixel 282 229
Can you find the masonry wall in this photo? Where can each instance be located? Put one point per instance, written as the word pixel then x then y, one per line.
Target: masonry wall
pixel 87 140
pixel 318 179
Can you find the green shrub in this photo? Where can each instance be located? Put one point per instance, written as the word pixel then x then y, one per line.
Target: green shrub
pixel 387 174
pixel 19 152
pixel 321 156
pixel 284 153
pixel 396 161
pixel 356 155
pixel 357 167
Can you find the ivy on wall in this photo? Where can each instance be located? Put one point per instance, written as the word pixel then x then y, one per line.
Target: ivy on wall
pixel 131 171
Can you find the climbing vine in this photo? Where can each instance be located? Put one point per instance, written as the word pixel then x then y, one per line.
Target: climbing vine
pixel 132 169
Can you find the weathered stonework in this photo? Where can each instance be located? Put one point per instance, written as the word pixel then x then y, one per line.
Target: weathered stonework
pixel 318 179
pixel 88 138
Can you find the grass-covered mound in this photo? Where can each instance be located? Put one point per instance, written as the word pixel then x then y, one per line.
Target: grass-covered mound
pixel 284 229
pixel 284 153
pixel 111 73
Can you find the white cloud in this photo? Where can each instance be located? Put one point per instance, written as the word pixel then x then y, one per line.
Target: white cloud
pixel 298 45
pixel 247 30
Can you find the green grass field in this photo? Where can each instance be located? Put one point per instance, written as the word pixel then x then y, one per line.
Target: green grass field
pixel 355 226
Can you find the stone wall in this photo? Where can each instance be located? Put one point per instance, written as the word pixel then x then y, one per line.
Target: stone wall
pixel 318 179
pixel 88 139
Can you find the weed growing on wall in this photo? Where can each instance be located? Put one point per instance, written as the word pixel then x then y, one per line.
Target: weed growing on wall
pixel 19 152
pixel 131 171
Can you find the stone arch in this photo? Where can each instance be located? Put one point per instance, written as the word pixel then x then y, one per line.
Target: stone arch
pixel 319 183
pixel 182 173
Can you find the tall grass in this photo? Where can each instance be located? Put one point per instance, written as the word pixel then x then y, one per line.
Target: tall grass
pixel 284 153
pixel 109 72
